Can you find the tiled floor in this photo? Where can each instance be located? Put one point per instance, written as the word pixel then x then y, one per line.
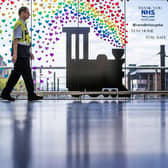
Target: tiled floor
pixel 87 134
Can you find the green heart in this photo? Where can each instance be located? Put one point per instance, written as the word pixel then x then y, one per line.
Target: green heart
pixel 3 20
pixel 14 19
pixel 39 37
pixel 39 23
pixel 0 31
pixel 39 13
pixel 69 2
pixel 47 16
pixel 66 6
pixel 34 15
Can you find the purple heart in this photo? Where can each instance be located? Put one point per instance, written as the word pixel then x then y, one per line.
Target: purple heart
pixel 51 54
pixel 41 81
pixel 55 27
pixel 57 39
pixel 51 34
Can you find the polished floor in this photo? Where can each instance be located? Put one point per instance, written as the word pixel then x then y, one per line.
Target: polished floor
pixel 86 134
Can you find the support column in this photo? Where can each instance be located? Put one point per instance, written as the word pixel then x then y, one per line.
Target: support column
pixel 162 64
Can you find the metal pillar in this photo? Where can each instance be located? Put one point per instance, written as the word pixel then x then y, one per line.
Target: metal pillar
pixel 162 64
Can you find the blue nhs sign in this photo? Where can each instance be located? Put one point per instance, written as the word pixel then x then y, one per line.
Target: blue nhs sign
pixel 148 13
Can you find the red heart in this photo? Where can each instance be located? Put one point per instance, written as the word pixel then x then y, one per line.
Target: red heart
pixel 3 0
pixel 108 6
pixel 12 2
pixel 117 3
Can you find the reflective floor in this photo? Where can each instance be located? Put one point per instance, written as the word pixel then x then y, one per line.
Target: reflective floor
pixel 87 134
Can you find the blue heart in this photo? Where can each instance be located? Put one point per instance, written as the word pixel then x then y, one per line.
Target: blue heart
pixel 37 31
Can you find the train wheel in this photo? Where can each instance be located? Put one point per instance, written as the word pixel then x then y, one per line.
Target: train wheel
pixel 113 95
pixel 105 95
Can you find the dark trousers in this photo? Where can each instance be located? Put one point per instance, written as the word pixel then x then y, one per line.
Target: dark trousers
pixel 21 67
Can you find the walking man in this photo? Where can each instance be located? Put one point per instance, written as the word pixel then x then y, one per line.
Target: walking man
pixel 21 54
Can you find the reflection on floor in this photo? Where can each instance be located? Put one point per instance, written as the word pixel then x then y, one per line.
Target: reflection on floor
pixel 87 134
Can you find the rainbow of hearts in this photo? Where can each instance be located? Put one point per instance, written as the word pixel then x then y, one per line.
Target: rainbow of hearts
pixel 104 17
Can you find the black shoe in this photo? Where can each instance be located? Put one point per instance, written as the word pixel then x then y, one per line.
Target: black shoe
pixel 7 97
pixel 35 97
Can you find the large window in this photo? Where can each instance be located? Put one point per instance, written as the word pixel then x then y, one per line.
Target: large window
pixel 139 26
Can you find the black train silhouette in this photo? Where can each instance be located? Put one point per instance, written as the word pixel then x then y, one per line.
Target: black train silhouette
pixel 91 75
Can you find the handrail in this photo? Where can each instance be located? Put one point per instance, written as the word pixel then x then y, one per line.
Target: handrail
pixel 4 67
pixel 80 93
pixel 63 67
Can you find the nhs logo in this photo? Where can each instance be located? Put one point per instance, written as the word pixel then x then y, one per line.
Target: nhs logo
pixel 148 13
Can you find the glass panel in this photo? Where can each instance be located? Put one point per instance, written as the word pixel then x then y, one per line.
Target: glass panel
pixel 147 31
pixel 8 17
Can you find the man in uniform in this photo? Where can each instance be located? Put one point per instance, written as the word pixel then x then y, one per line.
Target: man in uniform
pixel 21 54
